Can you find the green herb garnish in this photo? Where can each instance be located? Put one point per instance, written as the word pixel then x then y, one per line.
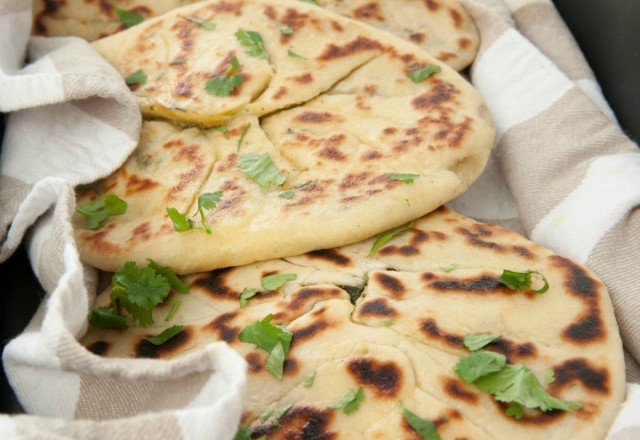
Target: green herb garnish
pixel 223 85
pixel 292 54
pixel 243 433
pixel 137 77
pixel 207 201
pixel 287 194
pixel 406 178
pixel 98 211
pixel 223 129
pixel 175 305
pixel 309 378
pixel 522 280
pixel 284 29
pixel 181 222
pixel 420 75
pixel 478 364
pixel 279 413
pixel 167 334
pixel 276 281
pixel 107 317
pixel 425 428
pixel 139 290
pixel 350 402
pixel 274 339
pixel 129 18
pixel 448 267
pixel 174 281
pixel 385 238
pixel 252 43
pixel 477 341
pixel 261 169
pixel 244 133
pixel 203 23
pixel 245 295
pixel 312 2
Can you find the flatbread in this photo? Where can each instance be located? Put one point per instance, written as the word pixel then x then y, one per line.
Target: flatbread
pixel 418 296
pixel 339 124
pixel 441 27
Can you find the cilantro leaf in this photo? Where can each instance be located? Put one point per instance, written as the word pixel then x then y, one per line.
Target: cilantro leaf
pixel 549 376
pixel 234 66
pixel 479 364
pixel 223 129
pixel 284 29
pixel 139 290
pixel 420 75
pixel 292 54
pixel 350 402
pixel 425 428
pixel 174 281
pixel 207 201
pixel 388 322
pixel 166 334
pixel 203 23
pixel 279 413
pixel 223 85
pixel 261 169
pixel 244 433
pixel 129 18
pixel 448 267
pixel 517 383
pixel 252 43
pixel 274 339
pixel 515 410
pixel 312 2
pixel 287 194
pixel 276 281
pixel 476 341
pixel 181 223
pixel 137 77
pixel 245 295
pixel 174 308
pixel 107 317
pixel 244 133
pixel 309 378
pixel 385 238
pixel 406 178
pixel 522 280
pixel 98 211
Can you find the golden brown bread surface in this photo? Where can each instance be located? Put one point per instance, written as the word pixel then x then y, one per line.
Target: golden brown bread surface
pixel 419 295
pixel 339 123
pixel 441 27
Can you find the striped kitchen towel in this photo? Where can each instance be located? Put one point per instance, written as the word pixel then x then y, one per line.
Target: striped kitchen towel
pixel 562 172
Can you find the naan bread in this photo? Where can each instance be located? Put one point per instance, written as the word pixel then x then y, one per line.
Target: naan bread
pixel 337 123
pixel 404 335
pixel 441 27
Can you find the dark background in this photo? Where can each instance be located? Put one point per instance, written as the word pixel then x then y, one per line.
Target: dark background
pixel 607 31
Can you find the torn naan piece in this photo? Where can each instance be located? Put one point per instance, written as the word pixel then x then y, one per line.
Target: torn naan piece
pixel 307 153
pixel 373 336
pixel 440 27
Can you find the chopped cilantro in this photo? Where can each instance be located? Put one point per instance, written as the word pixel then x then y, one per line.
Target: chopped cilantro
pixel 265 415
pixel 207 201
pixel 137 77
pixel 139 290
pixel 515 410
pixel 175 305
pixel 420 75
pixel 280 412
pixel 107 317
pixel 98 211
pixel 174 281
pixel 448 267
pixel 425 428
pixel 406 178
pixel 181 223
pixel 245 295
pixel 167 334
pixel 203 23
pixel 129 18
pixel 243 433
pixel 261 169
pixel 287 194
pixel 312 2
pixel 223 129
pixel 309 378
pixel 178 61
pixel 234 66
pixel 388 322
pixel 223 85
pixel 522 280
pixel 276 281
pixel 252 43
pixel 244 133
pixel 350 402
pixel 292 54
pixel 476 341
pixel 549 376
pixel 385 238
pixel 286 30
pixel 274 339
pixel 478 364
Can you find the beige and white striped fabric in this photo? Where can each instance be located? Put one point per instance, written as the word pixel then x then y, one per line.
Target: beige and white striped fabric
pixel 562 172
